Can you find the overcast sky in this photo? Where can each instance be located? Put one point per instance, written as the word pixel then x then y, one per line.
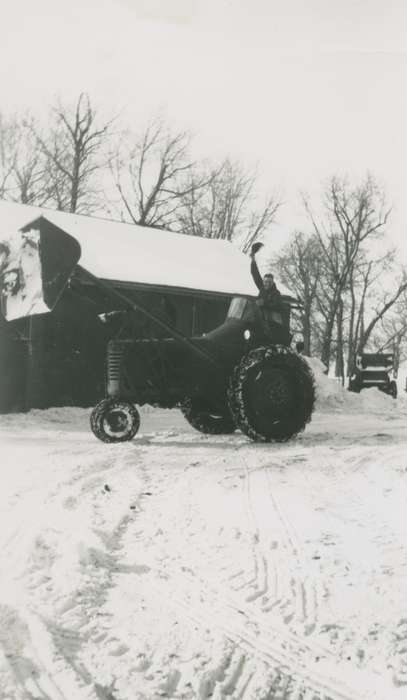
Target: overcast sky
pixel 303 89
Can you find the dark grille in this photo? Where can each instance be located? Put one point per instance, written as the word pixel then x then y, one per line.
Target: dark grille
pixel 115 353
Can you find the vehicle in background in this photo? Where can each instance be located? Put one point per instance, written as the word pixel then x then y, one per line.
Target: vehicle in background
pixel 375 369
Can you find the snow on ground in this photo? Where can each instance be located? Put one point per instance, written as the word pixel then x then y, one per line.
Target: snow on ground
pixel 189 566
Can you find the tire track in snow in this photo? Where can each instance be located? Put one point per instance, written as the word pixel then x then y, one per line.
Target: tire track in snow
pixel 226 604
pixel 265 501
pixel 366 544
pixel 260 582
pixel 307 609
pixel 80 615
pixel 306 590
pixel 291 662
pixel 363 546
pixel 40 669
pixel 398 657
pixel 200 601
pixel 239 657
pixel 54 648
pixel 287 537
pixel 294 595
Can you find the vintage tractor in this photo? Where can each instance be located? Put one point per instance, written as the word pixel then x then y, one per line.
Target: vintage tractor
pixel 375 369
pixel 242 375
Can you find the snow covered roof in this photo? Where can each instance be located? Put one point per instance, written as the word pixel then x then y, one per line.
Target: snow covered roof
pixel 141 255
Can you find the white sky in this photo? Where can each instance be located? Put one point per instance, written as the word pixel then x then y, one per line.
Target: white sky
pixel 303 89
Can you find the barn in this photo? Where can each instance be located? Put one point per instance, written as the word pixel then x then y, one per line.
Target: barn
pixel 55 356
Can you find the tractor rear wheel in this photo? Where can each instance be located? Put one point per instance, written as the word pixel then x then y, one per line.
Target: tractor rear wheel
pixel 272 394
pixel 113 420
pixel 207 418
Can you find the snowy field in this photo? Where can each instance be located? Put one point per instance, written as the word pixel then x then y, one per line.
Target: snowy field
pixel 188 566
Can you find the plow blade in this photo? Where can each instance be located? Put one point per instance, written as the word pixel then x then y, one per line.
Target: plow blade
pixel 36 263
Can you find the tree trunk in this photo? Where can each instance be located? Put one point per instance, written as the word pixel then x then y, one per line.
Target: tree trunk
pixel 327 340
pixel 306 331
pixel 351 333
pixel 360 329
pixel 339 362
pixel 396 352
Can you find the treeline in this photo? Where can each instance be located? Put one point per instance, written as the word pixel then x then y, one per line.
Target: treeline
pixel 351 284
pixel 353 293
pixel 78 163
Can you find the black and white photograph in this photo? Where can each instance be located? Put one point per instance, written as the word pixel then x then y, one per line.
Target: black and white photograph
pixel 203 350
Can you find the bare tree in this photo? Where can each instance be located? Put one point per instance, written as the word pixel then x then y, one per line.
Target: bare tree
pixel 8 141
pixel 225 206
pixel 299 266
pixel 391 335
pixel 30 167
pixel 73 146
pixel 351 215
pixel 386 304
pixel 153 173
pixel 365 289
pixel 22 165
pixel 160 185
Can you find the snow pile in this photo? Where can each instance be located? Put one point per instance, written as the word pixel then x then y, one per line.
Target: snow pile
pixel 69 417
pixel 332 395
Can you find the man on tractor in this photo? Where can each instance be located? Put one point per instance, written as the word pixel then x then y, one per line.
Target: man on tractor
pixel 268 291
pixel 269 302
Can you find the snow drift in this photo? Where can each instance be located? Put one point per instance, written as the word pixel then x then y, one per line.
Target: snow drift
pixel 331 395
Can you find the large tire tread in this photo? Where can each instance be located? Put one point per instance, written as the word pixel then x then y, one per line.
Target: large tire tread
pixel 198 413
pixel 100 412
pixel 280 358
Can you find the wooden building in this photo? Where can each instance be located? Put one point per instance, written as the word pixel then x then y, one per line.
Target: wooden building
pixel 57 358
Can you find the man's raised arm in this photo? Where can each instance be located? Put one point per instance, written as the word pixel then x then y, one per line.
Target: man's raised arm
pixel 258 280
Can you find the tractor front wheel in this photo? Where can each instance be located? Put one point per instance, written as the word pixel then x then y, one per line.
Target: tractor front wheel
pixel 113 420
pixel 272 394
pixel 207 418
